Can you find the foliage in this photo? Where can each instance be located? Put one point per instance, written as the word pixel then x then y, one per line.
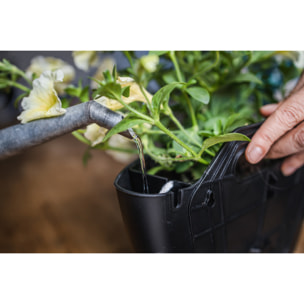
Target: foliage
pixel 199 98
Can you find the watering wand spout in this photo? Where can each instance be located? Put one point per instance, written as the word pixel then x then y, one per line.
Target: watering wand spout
pixel 20 137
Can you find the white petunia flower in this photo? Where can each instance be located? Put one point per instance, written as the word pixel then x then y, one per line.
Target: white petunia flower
pixel 43 100
pixel 135 94
pixel 41 64
pixel 106 64
pixel 95 134
pixel 84 60
pixel 118 141
pixel 149 62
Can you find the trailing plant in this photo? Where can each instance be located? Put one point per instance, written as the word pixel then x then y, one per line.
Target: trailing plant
pixel 182 104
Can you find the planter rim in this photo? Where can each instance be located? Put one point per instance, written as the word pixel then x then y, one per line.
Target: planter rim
pixel 244 129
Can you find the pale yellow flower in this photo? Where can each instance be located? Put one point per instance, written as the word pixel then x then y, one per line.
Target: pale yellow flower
pixel 299 62
pixel 41 64
pixel 43 100
pixel 293 55
pixel 135 94
pixel 84 60
pixel 106 64
pixel 95 134
pixel 149 62
pixel 119 141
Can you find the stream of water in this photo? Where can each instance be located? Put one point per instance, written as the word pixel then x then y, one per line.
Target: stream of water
pixel 139 145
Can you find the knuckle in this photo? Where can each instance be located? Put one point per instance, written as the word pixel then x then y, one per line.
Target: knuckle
pixel 298 139
pixel 288 116
pixel 267 137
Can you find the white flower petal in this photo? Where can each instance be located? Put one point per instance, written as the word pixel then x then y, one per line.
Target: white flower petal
pixel 149 62
pixel 106 64
pixel 42 64
pixel 119 141
pixel 135 94
pixel 85 59
pixel 43 100
pixel 125 81
pixel 95 134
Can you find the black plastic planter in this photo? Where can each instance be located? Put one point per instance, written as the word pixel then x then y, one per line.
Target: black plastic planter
pixel 234 207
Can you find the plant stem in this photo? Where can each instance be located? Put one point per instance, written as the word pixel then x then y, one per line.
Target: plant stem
pixel 141 115
pixel 175 120
pixel 145 95
pixel 156 132
pixel 215 63
pixel 192 113
pixel 180 159
pixel 178 124
pixel 177 69
pixel 211 66
pixel 108 147
pixel 19 86
pixel 23 75
pixel 174 137
pixel 77 134
pixel 180 79
pixel 127 54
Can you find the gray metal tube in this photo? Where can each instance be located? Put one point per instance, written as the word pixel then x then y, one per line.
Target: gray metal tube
pixel 20 137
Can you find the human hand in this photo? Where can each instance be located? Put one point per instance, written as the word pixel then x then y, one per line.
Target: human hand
pixel 282 133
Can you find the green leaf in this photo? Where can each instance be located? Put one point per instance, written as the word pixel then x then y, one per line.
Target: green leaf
pixel 108 76
pixel 111 90
pixel 248 77
pixel 257 56
pixel 81 138
pixel 125 124
pixel 73 91
pixel 162 96
pixel 114 72
pixel 65 103
pixel 86 157
pixel 3 85
pixel 218 127
pixel 205 133
pixel 79 92
pixel 159 53
pixel 125 91
pixel 231 120
pixel 211 141
pixel 178 148
pixel 200 94
pixel 85 94
pixel 183 166
pixel 155 170
pixel 169 77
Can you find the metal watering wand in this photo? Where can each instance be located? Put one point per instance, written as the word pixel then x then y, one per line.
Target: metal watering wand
pixel 20 137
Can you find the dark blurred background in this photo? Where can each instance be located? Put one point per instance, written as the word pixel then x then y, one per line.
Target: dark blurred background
pixel 49 201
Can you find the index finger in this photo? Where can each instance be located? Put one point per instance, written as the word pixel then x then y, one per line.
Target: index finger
pixel 286 117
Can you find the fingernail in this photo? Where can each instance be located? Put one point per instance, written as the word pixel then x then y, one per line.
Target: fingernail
pixel 288 170
pixel 254 154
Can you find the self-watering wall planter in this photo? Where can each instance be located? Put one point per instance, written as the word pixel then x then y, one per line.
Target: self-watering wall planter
pixel 233 207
